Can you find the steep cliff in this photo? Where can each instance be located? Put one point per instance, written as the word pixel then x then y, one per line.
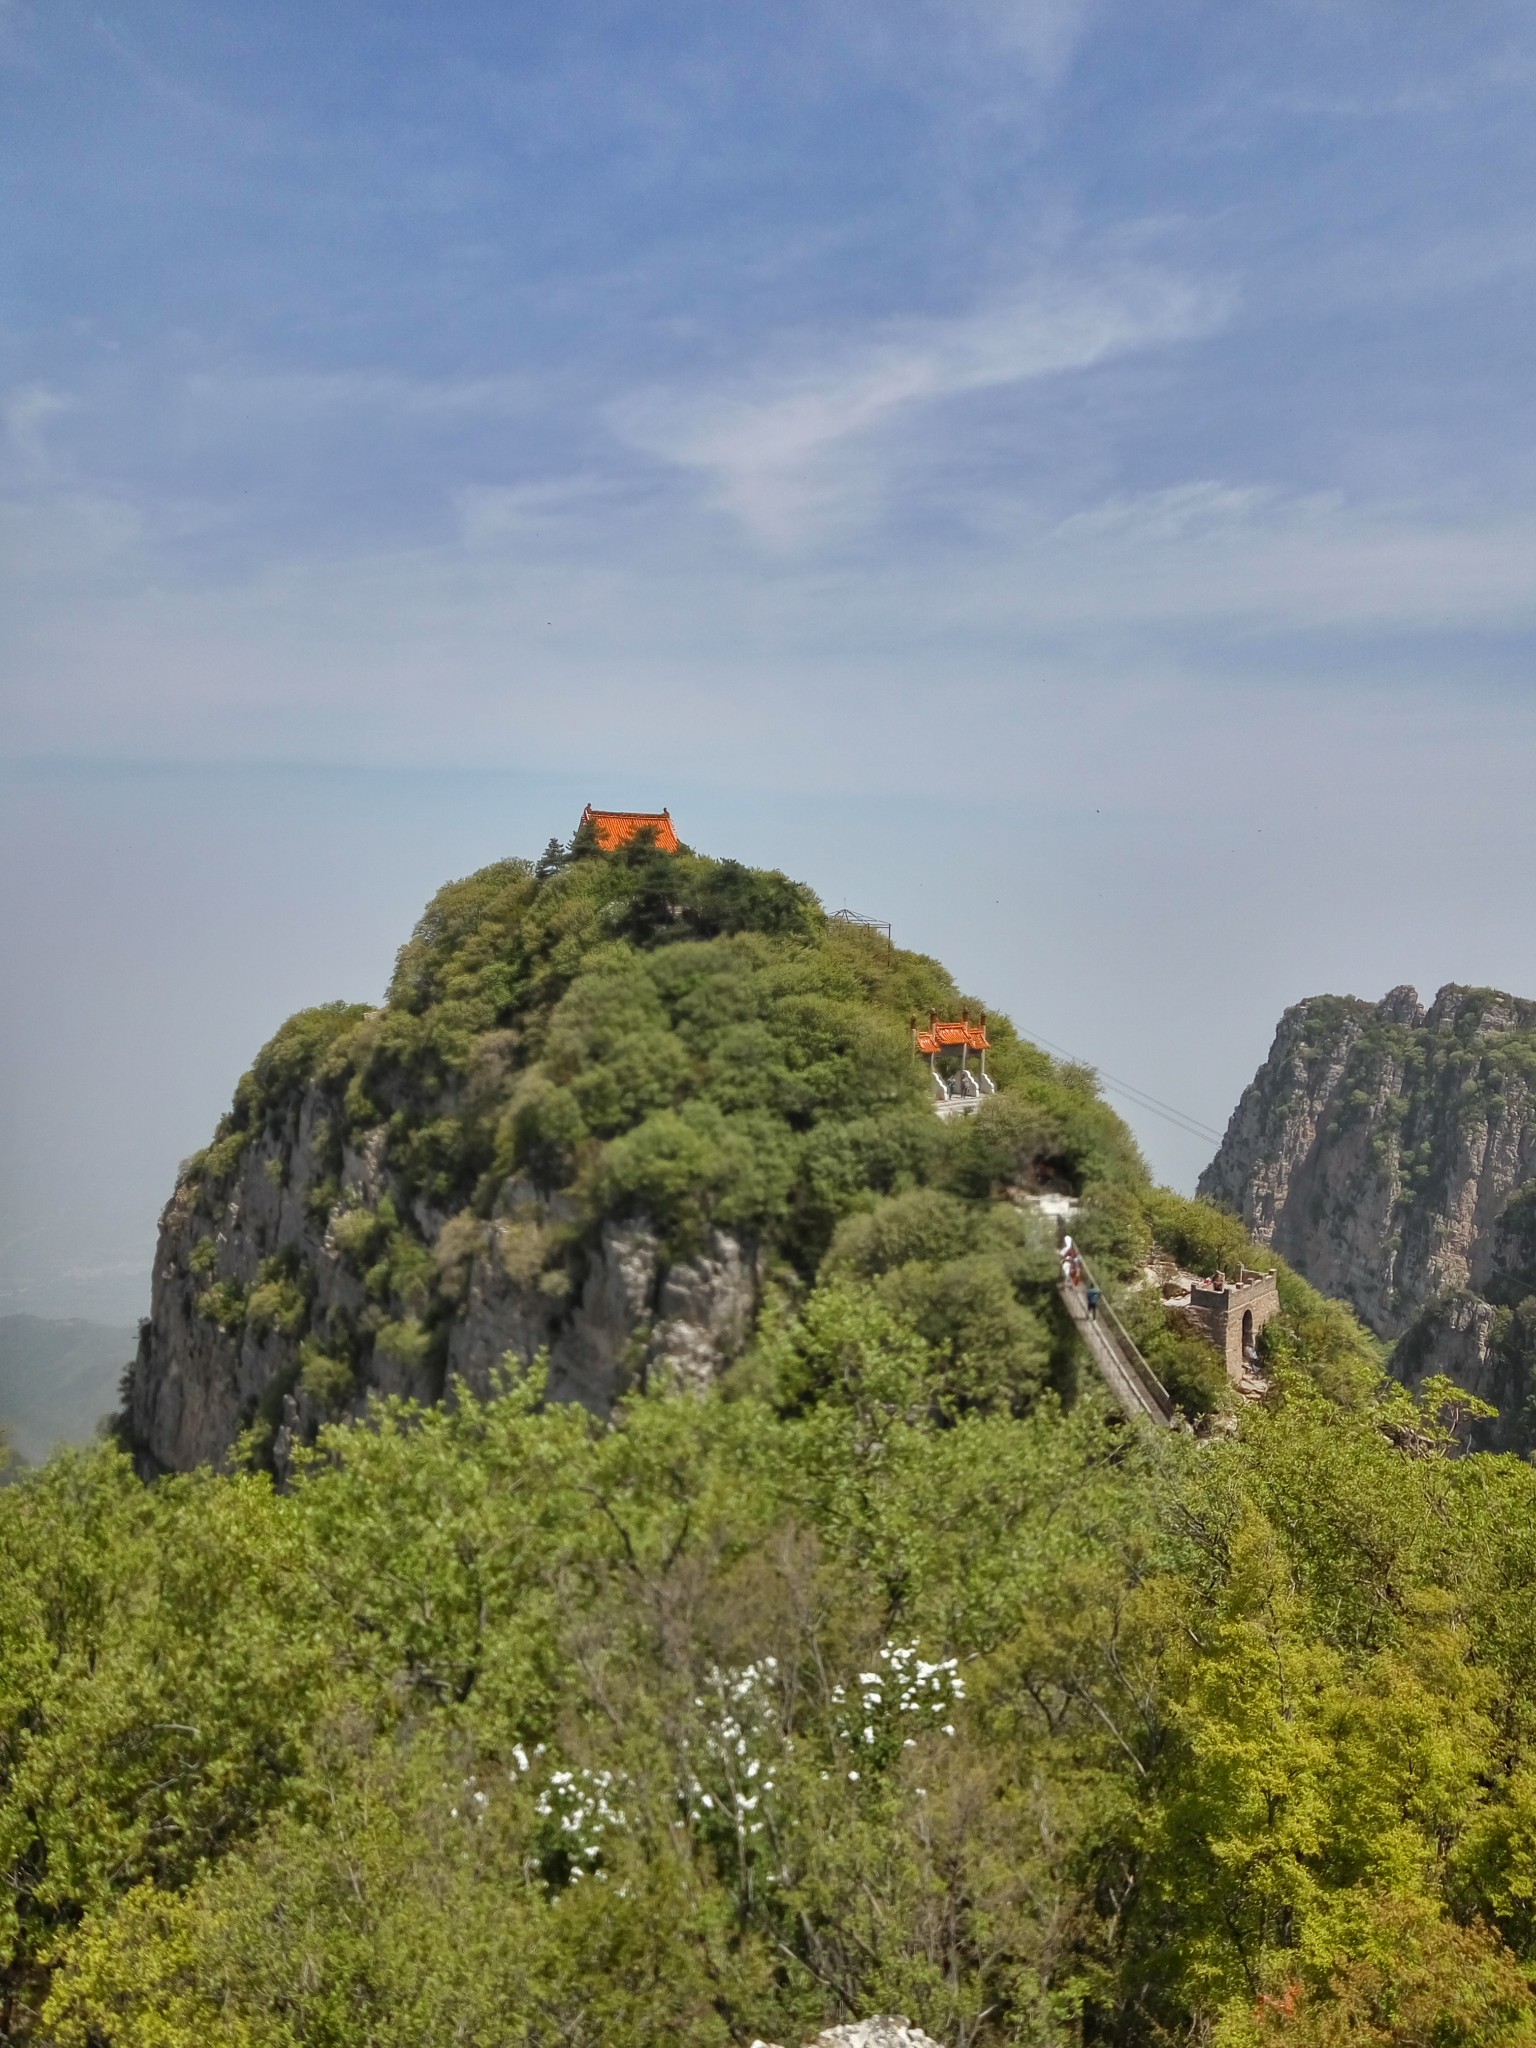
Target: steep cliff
pixel 604 1098
pixel 1389 1153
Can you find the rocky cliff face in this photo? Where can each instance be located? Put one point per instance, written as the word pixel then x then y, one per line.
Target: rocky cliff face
pixel 601 1094
pixel 263 1289
pixel 1389 1152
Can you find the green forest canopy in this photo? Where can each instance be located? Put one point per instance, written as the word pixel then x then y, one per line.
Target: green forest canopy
pixel 897 1675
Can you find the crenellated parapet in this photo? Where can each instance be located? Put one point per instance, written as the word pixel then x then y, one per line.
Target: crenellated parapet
pixel 1234 1312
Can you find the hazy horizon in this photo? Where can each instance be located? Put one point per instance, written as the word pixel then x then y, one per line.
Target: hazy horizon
pixel 1055 476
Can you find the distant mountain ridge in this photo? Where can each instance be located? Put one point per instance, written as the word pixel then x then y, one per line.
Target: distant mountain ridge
pixel 1389 1152
pixel 58 1377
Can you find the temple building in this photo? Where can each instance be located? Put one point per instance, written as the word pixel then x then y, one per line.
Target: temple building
pixel 959 1088
pixel 616 828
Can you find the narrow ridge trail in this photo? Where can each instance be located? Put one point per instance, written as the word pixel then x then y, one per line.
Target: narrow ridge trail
pixel 1124 1371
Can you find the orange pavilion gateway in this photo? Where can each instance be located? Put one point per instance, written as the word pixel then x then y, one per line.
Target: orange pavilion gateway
pixel 959 1088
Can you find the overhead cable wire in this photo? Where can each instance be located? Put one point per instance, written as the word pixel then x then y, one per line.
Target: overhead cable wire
pixel 1192 1130
pixel 1191 1125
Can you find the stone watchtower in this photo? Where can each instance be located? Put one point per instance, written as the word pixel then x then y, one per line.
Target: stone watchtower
pixel 1234 1312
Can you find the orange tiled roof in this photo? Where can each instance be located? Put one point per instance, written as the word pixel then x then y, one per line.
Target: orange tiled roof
pixel 945 1036
pixel 616 828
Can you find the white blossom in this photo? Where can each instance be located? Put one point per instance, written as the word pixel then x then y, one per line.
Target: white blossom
pixel 907 1688
pixel 579 1802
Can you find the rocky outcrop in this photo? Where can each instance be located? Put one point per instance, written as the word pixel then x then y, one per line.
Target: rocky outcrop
pixel 602 1094
pixel 886 2031
pixel 1389 1152
pixel 275 1304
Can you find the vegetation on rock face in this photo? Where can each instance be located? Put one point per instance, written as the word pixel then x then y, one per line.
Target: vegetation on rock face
pixel 678 1041
pixel 898 1674
pixel 1387 1150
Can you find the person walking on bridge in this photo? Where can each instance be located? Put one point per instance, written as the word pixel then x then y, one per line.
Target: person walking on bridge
pixel 1094 1298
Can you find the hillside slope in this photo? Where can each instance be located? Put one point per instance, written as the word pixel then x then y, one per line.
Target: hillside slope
pixel 606 1101
pixel 1389 1152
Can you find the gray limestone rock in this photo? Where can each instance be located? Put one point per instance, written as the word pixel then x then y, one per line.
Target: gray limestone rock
pixel 223 1348
pixel 705 1310
pixel 1386 1151
pixel 593 1358
pixel 887 2030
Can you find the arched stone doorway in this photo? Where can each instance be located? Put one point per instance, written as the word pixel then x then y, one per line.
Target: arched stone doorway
pixel 1234 1312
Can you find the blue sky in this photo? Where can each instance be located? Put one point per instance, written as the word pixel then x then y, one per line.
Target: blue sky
pixel 1056 475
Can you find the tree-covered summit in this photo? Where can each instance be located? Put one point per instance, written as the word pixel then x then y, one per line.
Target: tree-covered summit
pixel 602 1021
pixel 583 1065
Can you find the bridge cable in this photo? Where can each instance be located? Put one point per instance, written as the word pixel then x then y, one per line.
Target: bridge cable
pixel 1187 1123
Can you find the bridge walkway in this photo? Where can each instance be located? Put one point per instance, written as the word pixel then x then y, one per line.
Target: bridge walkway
pixel 1124 1371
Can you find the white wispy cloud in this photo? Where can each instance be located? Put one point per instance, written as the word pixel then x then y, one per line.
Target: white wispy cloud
pixel 1475 76
pixel 1207 551
pixel 570 626
pixel 24 416
pixel 244 396
pixel 773 447
pixel 1045 33
pixel 219 114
